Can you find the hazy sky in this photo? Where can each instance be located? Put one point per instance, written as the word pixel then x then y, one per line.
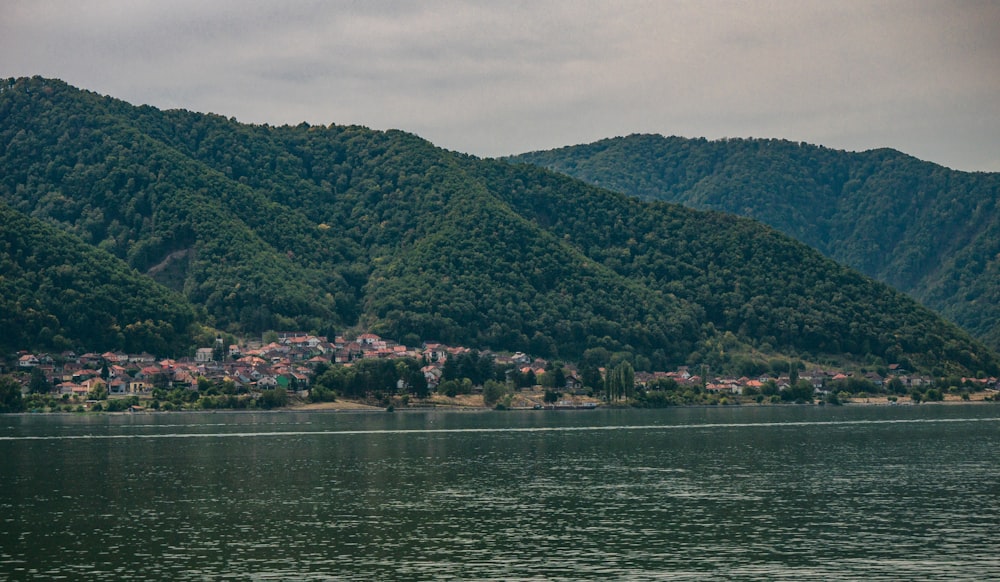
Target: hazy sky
pixel 503 77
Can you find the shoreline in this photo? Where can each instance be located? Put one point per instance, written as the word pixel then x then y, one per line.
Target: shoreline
pixel 468 404
pixel 474 404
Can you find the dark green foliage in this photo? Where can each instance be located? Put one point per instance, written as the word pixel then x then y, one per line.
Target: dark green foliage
pixel 452 388
pixel 925 229
pixel 525 379
pixel 320 393
pixel 372 379
pixel 800 392
pixel 590 376
pixel 658 397
pixel 318 228
pixel 855 385
pixel 554 378
pixel 58 293
pixel 731 274
pixel 121 404
pixel 619 384
pixel 38 384
pixel 84 163
pixel 472 365
pixel 10 395
pixel 493 391
pixel 275 398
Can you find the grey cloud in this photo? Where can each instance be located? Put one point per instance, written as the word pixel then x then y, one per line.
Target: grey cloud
pixel 494 78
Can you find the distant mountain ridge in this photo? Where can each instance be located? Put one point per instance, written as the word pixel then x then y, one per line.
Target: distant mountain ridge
pixel 925 229
pixel 324 228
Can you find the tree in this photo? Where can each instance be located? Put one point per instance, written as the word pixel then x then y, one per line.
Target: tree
pixel 414 381
pixel 620 382
pixel 160 380
pixel 273 398
pixel 320 393
pixel 38 384
pixel 664 385
pixel 98 392
pixel 449 371
pixel 778 366
pixel 590 375
pixel 933 395
pixel 452 388
pixel 558 377
pixel 596 357
pixel 10 395
pixel 493 391
pixel 418 384
pixel 801 391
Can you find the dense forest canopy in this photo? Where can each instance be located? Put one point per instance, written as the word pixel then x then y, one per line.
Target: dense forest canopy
pixel 57 292
pixel 322 228
pixel 922 228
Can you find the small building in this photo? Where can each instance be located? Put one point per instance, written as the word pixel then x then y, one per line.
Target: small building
pixel 27 361
pixel 117 386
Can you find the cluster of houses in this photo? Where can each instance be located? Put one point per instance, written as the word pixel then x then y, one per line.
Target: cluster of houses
pixel 290 361
pixel 822 381
pixel 139 374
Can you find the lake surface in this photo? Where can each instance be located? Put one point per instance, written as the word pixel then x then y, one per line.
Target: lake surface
pixel 794 493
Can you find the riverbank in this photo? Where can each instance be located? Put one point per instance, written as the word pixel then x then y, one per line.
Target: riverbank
pixel 522 400
pixel 884 400
pixel 535 400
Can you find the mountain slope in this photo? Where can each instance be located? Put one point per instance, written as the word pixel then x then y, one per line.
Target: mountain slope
pixel 928 230
pixel 58 293
pixel 325 227
pixel 75 159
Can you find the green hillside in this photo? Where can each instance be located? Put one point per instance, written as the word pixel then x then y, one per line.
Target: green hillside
pixel 321 228
pixel 58 293
pixel 922 228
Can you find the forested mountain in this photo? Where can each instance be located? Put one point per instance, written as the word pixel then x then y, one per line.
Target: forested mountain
pixel 320 228
pixel 925 229
pixel 58 293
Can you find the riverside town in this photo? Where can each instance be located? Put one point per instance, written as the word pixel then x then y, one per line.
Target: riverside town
pixel 299 370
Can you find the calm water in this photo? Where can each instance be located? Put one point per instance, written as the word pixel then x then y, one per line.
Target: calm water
pixel 715 493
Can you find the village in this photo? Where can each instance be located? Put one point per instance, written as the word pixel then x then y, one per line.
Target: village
pixel 290 362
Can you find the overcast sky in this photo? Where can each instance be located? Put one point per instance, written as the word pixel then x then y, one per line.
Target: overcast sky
pixel 503 77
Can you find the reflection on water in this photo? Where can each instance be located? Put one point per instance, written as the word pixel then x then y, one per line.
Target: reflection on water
pixel 754 493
